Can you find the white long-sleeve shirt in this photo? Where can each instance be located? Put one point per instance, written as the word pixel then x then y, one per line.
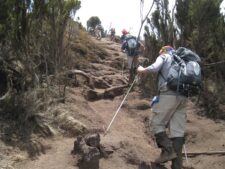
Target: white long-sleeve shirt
pixel 161 65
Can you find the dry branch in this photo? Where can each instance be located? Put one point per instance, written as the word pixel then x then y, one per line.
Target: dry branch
pixel 193 154
pixel 143 21
pixel 82 73
pixel 79 72
pixel 115 88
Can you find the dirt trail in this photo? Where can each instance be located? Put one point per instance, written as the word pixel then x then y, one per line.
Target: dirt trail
pixel 129 135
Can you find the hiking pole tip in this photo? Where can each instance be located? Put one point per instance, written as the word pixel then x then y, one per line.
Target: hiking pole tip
pixel 105 131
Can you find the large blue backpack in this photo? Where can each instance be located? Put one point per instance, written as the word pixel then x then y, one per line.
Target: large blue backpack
pixel 131 44
pixel 185 75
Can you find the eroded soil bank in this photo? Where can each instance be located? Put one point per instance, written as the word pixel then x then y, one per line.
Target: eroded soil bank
pixel 129 139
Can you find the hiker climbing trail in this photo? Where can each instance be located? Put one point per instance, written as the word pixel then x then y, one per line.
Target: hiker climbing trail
pixel 128 138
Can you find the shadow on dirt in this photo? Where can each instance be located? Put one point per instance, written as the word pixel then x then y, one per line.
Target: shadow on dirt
pixel 151 165
pixel 18 135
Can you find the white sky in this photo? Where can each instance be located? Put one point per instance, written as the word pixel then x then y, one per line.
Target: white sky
pixel 222 7
pixel 120 14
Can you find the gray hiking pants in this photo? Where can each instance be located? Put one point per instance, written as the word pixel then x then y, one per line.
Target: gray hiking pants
pixel 169 112
pixel 132 60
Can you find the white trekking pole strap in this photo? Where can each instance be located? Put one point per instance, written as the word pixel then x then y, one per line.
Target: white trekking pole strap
pixel 120 105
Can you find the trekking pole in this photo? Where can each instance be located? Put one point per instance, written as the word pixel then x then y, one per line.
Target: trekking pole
pixel 185 152
pixel 120 105
pixel 122 67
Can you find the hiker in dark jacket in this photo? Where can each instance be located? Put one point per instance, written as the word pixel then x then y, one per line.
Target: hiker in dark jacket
pixel 112 34
pixel 168 113
pixel 124 33
pixel 130 45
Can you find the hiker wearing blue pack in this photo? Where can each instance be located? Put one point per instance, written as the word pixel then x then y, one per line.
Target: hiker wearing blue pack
pixel 170 110
pixel 131 47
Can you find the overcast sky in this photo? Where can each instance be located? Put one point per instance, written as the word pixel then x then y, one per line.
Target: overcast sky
pixel 120 14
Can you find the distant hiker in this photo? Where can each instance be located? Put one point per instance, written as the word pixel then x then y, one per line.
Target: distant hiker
pixel 168 113
pixel 131 46
pixel 98 27
pixel 124 33
pixel 112 34
pixel 98 31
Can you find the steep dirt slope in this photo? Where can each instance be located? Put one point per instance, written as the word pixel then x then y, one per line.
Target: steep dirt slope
pixel 129 135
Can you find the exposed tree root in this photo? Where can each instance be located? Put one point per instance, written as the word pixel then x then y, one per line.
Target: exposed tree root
pixel 109 93
pixel 193 154
pixel 5 95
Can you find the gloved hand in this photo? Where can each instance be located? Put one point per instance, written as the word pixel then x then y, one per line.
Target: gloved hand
pixel 141 70
pixel 123 50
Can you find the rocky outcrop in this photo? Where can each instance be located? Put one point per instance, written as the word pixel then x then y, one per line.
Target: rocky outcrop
pixel 89 151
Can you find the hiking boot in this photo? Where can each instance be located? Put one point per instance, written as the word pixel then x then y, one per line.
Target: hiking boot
pixel 167 152
pixel 166 156
pixel 178 145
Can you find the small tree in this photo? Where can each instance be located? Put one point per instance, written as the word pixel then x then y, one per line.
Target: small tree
pixel 93 21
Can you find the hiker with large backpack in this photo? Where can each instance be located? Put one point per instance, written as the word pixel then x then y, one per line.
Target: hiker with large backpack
pixel 131 46
pixel 98 31
pixel 179 76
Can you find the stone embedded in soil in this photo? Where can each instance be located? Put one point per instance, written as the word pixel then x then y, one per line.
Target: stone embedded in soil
pixel 92 95
pixel 93 140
